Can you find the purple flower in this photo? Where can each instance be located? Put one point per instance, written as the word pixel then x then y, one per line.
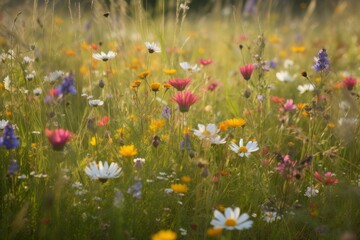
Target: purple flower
pixel 185 143
pixel 321 61
pixel 67 86
pixel 135 190
pixel 13 167
pixel 166 112
pixel 9 139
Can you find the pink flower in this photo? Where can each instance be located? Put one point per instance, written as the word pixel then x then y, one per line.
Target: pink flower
pixel 328 179
pixel 58 138
pixel 103 122
pixel 179 84
pixel 205 62
pixel 185 100
pixel 289 105
pixel 247 70
pixel 211 87
pixel 349 83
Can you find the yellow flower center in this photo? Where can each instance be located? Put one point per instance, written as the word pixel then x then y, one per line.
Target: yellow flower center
pixel 206 133
pixel 190 69
pixel 230 222
pixel 243 149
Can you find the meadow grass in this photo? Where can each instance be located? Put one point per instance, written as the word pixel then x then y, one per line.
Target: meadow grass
pixel 299 180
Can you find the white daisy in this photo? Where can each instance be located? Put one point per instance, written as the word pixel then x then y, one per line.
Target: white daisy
pixel 209 133
pixel 231 220
pixel 242 150
pixel 104 56
pixel 311 191
pixel 53 76
pixel 189 68
pixel 7 83
pixel 37 91
pixel 288 63
pixel 271 216
pixel 306 87
pixel 284 76
pixel 96 102
pixel 153 47
pixel 3 124
pixel 103 172
pixel 27 60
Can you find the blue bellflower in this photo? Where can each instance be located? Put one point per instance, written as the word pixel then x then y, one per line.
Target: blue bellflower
pixel 321 61
pixel 67 86
pixel 9 139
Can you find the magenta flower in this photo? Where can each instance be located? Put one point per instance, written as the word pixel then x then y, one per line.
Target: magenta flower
pixel 328 178
pixel 185 100
pixel 247 70
pixel 179 84
pixel 211 87
pixel 205 62
pixel 349 83
pixel 58 138
pixel 289 105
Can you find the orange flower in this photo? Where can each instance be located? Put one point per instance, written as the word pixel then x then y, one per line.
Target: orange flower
pixel 236 122
pixel 213 232
pixel 69 52
pixel 143 75
pixel 128 150
pixel 179 188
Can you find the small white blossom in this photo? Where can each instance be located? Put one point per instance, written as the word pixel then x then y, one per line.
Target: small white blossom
pixel 189 68
pixel 37 91
pixel 104 56
pixel 96 102
pixel 311 191
pixel 153 47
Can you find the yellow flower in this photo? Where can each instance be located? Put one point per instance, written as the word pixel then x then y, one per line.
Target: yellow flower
pixel 128 150
pixel 169 71
pixel 58 20
pixel 298 49
pixel 69 52
pixel 223 126
pixel 164 235
pixel 331 125
pixel 143 75
pixel 301 105
pixel 1 85
pixel 84 70
pixel 156 124
pixel 213 232
pixel 179 188
pixel 135 84
pixel 33 145
pixel 275 39
pixel 167 85
pixel 235 122
pixel 201 50
pixel 84 46
pixel 93 141
pixel 185 179
pixel 155 86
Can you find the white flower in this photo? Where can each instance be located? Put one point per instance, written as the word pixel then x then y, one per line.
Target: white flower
pixel 53 76
pixel 284 76
pixel 37 91
pixel 209 133
pixel 311 191
pixel 288 63
pixel 7 82
pixel 153 47
pixel 271 216
pixel 96 102
pixel 103 172
pixel 231 220
pixel 349 122
pixel 189 68
pixel 306 87
pixel 3 124
pixel 242 150
pixel 27 60
pixel 184 6
pixel 183 231
pixel 139 160
pixel 104 56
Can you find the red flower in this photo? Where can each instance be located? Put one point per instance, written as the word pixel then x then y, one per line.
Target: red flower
pixel 211 87
pixel 328 179
pixel 179 84
pixel 349 83
pixel 246 71
pixel 205 62
pixel 277 99
pixel 103 122
pixel 185 100
pixel 58 138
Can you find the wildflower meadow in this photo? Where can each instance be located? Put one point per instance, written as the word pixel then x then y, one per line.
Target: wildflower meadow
pixel 179 119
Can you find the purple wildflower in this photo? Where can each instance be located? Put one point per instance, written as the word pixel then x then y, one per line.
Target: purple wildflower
pixel 135 190
pixel 9 139
pixel 13 167
pixel 166 112
pixel 321 61
pixel 67 86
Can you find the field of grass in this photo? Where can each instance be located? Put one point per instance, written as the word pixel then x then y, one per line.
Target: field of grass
pixel 108 130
